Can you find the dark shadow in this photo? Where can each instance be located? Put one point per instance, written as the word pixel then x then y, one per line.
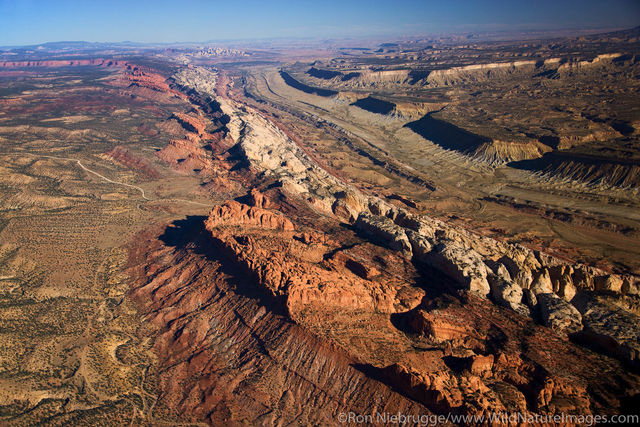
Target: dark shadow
pixel 237 157
pixel 549 74
pixel 417 75
pixel 331 253
pixel 551 141
pixel 558 160
pixel 245 199
pixel 323 74
pixel 305 88
pixel 496 340
pixel 630 404
pixel 622 126
pixel 401 321
pixel 350 76
pixel 605 345
pixel 375 105
pixel 446 134
pixel 371 371
pixel 190 234
pixel 456 364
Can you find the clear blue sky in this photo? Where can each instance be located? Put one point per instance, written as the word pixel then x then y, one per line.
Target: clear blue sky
pixel 38 21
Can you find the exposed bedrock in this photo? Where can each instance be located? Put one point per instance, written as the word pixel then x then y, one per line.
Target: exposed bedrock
pixel 482 148
pixel 557 67
pixel 227 356
pixel 509 274
pixel 297 267
pixel 594 170
pixel 275 307
pixel 511 363
pixel 529 282
pixel 303 271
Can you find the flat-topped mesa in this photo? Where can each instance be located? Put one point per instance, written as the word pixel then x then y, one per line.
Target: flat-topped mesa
pixel 498 152
pixel 134 75
pixel 475 71
pixel 233 213
pixel 598 60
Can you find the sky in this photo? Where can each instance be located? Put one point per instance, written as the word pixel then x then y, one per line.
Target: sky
pixel 24 22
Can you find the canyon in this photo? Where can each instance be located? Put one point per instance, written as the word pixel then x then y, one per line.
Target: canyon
pixel 208 236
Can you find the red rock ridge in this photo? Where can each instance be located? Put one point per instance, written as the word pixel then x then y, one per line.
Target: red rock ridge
pixel 227 358
pixel 63 63
pixel 292 265
pixel 190 123
pixel 146 78
pixel 233 213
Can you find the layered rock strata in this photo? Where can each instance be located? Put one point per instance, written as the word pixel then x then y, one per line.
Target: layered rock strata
pixel 509 273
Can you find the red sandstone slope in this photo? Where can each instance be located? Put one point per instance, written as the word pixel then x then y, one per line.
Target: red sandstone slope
pixel 484 358
pixel 225 352
pixel 223 299
pixel 269 311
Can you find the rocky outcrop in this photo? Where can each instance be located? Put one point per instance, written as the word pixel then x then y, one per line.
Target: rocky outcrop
pixel 443 393
pixel 225 353
pixel 291 265
pixel 441 327
pixel 558 314
pixel 190 123
pixel 233 213
pixel 384 230
pixel 465 266
pixel 146 78
pixel 359 78
pixel 613 330
pixel 506 292
pixel 497 152
pixel 186 155
pixel 476 72
pixel 511 362
pixel 510 274
pixel 597 171
pixel 526 281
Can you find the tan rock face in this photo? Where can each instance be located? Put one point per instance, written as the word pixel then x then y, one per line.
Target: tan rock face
pixel 558 314
pixel 465 266
pixel 440 328
pixel 481 364
pixel 506 292
pixel 609 283
pixel 542 283
pixel 384 230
